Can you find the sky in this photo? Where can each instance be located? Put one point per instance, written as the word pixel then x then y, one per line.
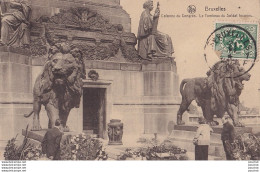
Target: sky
pixel 189 35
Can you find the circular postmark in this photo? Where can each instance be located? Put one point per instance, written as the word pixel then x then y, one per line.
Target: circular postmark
pixel 232 44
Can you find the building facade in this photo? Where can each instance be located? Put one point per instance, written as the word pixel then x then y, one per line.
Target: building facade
pixel 142 94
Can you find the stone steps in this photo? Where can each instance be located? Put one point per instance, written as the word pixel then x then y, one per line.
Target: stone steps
pixel 214 150
pixel 183 135
pixel 184 140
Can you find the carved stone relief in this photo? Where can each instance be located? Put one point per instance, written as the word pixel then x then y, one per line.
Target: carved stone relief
pixel 86 30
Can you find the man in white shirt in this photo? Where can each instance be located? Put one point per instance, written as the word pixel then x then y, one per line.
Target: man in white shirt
pixel 202 140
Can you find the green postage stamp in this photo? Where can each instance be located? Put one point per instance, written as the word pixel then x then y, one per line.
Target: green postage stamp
pixel 237 41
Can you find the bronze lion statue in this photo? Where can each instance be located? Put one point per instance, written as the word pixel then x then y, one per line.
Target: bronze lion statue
pixel 59 86
pixel 216 94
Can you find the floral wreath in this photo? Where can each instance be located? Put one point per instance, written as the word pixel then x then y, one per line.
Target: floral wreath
pixel 93 75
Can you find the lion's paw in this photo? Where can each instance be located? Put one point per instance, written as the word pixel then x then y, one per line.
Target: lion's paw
pixel 238 124
pixel 36 125
pixel 36 128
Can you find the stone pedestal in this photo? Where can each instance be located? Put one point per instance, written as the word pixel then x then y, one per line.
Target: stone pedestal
pixel 216 129
pixel 37 136
pixel 115 132
pixel 15 90
pixel 183 136
pixel 161 95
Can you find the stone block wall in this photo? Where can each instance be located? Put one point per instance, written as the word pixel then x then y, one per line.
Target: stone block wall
pixel 144 96
pixel 15 91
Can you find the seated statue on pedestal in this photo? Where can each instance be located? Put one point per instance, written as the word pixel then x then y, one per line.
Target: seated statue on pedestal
pixel 152 43
pixel 15 23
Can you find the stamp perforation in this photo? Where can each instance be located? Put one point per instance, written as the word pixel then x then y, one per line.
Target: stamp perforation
pixel 256 22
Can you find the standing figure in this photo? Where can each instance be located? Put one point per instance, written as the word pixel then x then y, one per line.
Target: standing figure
pixel 227 137
pixel 202 140
pixel 15 24
pixel 51 142
pixel 152 43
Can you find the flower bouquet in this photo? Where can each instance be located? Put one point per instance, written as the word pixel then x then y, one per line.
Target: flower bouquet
pixel 158 151
pixel 82 147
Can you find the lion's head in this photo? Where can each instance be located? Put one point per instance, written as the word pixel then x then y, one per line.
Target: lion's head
pixel 225 83
pixel 63 66
pixel 63 71
pixel 242 74
pixel 228 70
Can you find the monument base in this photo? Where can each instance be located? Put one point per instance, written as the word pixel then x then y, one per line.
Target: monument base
pixel 183 135
pixel 216 129
pixel 15 91
pixel 115 143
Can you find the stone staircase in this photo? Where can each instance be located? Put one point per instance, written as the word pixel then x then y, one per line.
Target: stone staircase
pixel 182 136
pixel 184 139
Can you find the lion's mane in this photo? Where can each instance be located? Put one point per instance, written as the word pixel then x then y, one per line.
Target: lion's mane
pixel 217 93
pixel 224 84
pixel 44 88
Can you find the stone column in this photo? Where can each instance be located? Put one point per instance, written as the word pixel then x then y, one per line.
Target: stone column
pixel 161 96
pixel 15 91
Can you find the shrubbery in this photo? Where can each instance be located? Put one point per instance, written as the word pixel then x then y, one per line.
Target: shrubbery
pixel 79 147
pixel 155 151
pixel 11 150
pixel 245 147
pixel 26 151
pixel 82 147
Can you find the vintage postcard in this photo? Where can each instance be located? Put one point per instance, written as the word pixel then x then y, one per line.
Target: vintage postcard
pixel 129 80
